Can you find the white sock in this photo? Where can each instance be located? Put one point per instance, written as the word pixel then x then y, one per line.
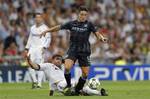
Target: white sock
pixel 90 91
pixel 40 75
pixel 32 74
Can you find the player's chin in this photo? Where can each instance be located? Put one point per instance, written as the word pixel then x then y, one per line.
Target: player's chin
pixel 82 20
pixel 59 65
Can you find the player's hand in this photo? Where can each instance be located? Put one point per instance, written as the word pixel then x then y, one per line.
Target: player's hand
pixel 103 32
pixel 43 34
pixel 28 59
pixel 25 54
pixel 104 39
pixel 43 50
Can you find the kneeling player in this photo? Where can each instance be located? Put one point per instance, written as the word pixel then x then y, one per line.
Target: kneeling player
pixel 53 73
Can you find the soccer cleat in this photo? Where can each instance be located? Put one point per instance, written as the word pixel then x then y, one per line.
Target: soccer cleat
pixel 73 93
pixel 103 92
pixel 51 93
pixel 67 91
pixel 39 87
pixel 34 85
pixel 82 93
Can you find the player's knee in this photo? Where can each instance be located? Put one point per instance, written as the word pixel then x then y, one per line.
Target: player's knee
pixel 85 73
pixel 68 64
pixel 67 68
pixel 61 85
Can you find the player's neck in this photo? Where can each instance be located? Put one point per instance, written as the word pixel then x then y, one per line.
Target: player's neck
pixel 81 21
pixel 38 24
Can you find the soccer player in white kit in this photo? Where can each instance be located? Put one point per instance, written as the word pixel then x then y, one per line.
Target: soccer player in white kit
pixel 35 47
pixel 54 73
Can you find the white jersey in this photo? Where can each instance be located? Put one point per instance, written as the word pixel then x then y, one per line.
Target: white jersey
pixel 35 41
pixel 36 44
pixel 53 73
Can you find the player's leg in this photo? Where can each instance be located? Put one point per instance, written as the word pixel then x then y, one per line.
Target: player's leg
pixel 61 85
pixel 32 73
pixel 51 92
pixel 56 77
pixel 84 64
pixel 68 65
pixel 40 75
pixel 52 88
pixel 82 79
pixel 39 58
pixel 69 62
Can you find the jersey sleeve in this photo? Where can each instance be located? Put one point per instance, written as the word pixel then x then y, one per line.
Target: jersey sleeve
pixel 66 26
pixel 92 28
pixel 29 41
pixel 47 39
pixel 43 66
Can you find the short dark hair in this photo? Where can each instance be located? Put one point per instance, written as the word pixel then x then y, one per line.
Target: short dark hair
pixel 36 14
pixel 83 8
pixel 57 55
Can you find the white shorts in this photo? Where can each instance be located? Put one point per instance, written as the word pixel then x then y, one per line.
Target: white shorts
pixel 36 55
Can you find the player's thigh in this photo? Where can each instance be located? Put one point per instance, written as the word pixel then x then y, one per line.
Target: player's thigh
pixel 84 63
pixel 70 59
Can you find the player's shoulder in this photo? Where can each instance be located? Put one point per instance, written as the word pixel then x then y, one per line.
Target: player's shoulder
pixel 72 21
pixel 86 22
pixel 44 26
pixel 45 65
pixel 33 26
pixel 48 64
pixel 89 23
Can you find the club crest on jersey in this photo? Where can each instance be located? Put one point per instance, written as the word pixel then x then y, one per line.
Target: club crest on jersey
pixel 85 25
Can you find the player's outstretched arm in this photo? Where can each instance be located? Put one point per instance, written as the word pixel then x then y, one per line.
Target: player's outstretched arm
pixel 31 64
pixel 52 29
pixel 101 37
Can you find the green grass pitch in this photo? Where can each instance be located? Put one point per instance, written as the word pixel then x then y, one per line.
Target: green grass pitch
pixel 116 90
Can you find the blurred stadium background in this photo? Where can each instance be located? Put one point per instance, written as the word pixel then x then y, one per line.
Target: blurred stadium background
pixel 126 57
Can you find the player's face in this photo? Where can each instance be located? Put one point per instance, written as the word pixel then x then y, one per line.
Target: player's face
pixel 83 16
pixel 38 19
pixel 57 61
